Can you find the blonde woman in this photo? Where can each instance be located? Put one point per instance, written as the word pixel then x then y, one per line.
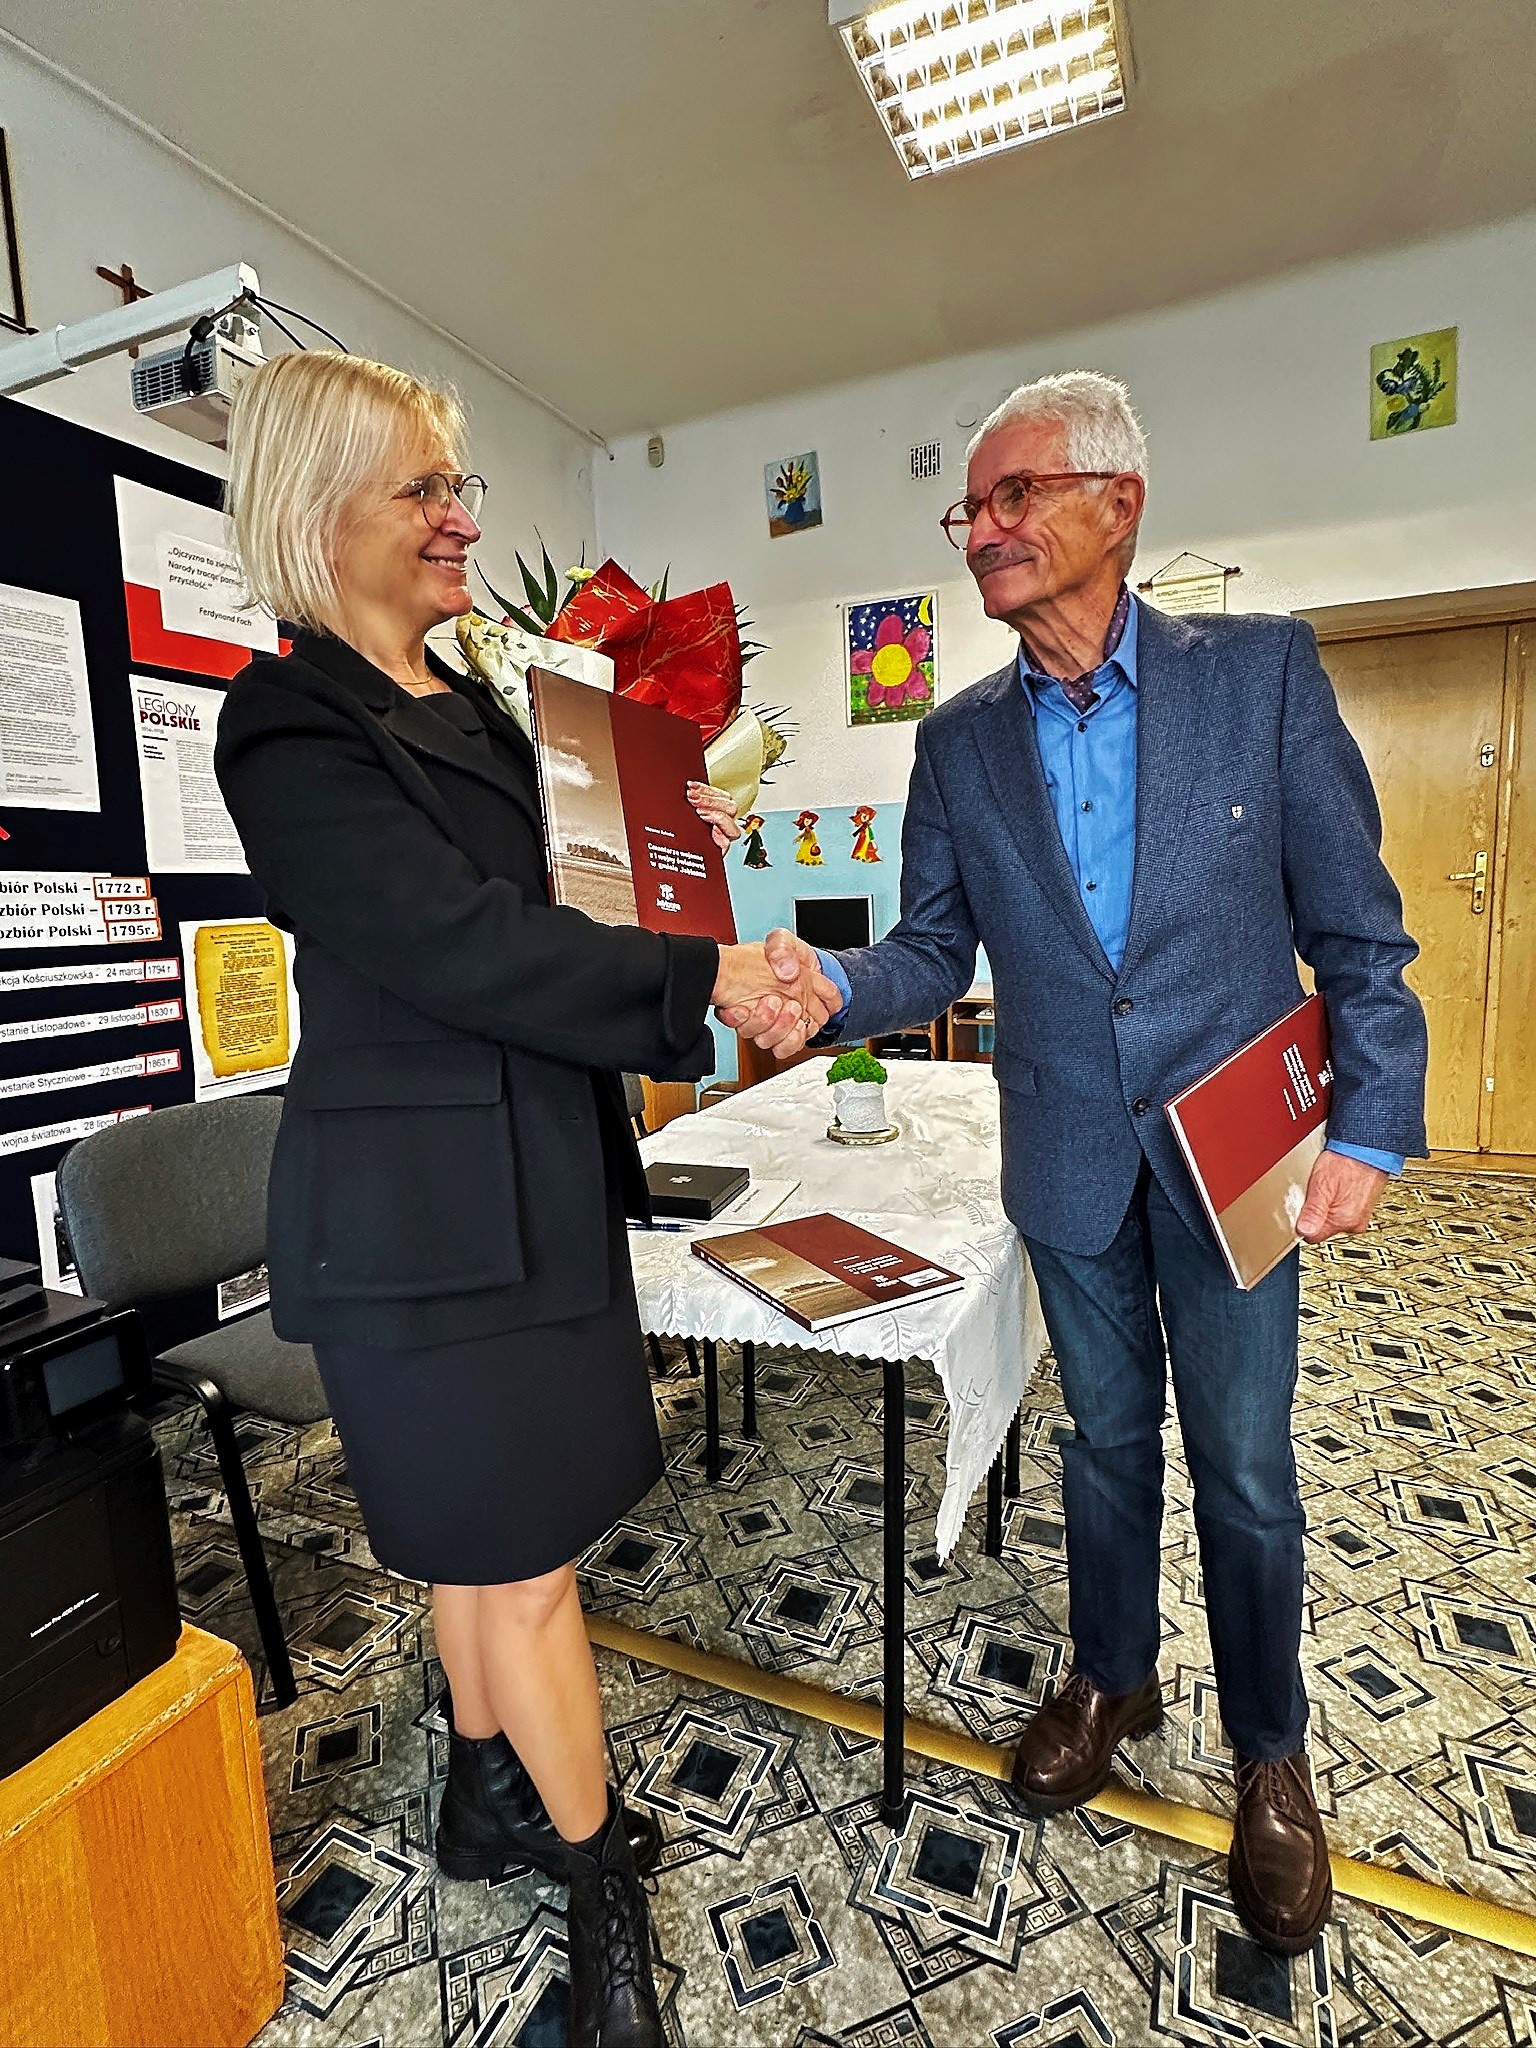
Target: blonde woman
pixel 455 1163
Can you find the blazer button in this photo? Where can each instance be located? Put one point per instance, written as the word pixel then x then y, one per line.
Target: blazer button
pixel 1124 1007
pixel 1140 1106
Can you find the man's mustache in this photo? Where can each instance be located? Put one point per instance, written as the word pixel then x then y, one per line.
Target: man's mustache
pixel 995 555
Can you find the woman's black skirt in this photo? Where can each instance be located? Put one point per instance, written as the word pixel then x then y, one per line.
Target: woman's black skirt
pixel 504 1457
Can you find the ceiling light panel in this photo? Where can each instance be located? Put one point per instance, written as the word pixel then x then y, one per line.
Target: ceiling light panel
pixel 958 80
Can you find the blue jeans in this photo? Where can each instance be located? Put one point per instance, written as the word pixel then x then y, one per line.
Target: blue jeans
pixel 1156 1294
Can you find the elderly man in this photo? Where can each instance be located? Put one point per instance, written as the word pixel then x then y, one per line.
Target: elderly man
pixel 1144 820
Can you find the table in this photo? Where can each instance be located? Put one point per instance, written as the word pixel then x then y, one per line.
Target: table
pixel 934 1190
pixel 137 1902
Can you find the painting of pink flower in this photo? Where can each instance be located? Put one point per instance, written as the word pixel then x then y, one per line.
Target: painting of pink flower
pixel 890 659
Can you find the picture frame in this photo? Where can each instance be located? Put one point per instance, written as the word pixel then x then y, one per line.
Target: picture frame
pixel 890 658
pixel 13 291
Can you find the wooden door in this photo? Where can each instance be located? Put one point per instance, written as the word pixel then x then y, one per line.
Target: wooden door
pixel 1511 1104
pixel 1427 710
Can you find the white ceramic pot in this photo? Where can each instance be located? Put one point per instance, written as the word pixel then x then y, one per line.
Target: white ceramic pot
pixel 860 1105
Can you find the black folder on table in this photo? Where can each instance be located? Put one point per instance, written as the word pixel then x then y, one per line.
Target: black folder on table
pixel 696 1193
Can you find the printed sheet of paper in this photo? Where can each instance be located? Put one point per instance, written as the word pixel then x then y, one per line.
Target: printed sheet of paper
pixel 182 586
pixel 245 1291
pixel 78 1022
pixel 62 907
pixel 93 974
pixel 187 830
pixel 47 742
pixel 138 1066
pixel 54 1254
pixel 242 1008
pixel 66 1131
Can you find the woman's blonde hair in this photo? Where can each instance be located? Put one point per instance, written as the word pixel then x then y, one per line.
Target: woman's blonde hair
pixel 306 432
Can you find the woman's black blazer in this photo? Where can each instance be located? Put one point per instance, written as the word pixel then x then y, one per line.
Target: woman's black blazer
pixel 454 1103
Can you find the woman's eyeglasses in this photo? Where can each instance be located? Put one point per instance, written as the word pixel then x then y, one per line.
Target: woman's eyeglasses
pixel 1008 500
pixel 435 493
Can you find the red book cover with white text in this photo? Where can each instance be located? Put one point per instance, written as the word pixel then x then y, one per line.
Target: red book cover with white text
pixel 625 845
pixel 1251 1131
pixel 822 1270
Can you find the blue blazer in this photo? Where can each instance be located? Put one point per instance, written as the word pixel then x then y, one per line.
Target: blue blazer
pixel 1257 838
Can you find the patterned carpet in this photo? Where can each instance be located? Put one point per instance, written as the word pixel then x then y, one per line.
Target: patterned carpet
pixel 787 1914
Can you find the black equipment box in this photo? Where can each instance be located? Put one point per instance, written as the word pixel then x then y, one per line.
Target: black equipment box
pixel 67 1364
pixel 87 1585
pixel 697 1193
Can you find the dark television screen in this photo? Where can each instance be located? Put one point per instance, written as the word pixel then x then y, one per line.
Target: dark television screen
pixel 833 921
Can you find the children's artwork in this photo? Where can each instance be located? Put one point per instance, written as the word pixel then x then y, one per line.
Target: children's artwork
pixel 1413 384
pixel 891 659
pixel 807 847
pixel 863 821
pixel 794 494
pixel 755 854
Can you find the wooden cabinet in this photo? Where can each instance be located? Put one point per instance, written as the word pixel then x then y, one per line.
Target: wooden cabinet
pixel 968 1028
pixel 137 1904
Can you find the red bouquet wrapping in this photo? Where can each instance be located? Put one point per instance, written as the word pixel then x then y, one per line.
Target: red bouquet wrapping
pixel 683 653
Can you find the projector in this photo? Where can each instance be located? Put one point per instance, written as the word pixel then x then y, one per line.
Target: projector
pixel 192 386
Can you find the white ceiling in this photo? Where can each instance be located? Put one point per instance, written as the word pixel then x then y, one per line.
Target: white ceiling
pixel 651 209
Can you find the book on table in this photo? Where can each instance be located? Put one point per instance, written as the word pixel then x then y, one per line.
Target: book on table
pixel 624 843
pixel 822 1270
pixel 758 1200
pixel 696 1193
pixel 1251 1131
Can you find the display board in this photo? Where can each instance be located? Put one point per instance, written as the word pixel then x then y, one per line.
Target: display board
pixel 135 967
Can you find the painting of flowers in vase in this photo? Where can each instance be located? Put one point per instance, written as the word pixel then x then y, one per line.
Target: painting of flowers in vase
pixel 794 494
pixel 892 659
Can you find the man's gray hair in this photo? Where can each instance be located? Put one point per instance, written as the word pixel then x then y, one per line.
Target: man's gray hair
pixel 1102 431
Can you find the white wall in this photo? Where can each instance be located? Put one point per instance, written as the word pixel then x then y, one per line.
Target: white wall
pixel 92 190
pixel 1255 404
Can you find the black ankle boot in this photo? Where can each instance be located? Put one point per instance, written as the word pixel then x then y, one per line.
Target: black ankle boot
pixel 613 1994
pixel 492 1822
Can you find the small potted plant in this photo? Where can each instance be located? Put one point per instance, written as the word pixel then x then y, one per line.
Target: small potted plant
pixel 857 1081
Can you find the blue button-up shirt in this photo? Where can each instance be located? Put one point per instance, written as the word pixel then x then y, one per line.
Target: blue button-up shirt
pixel 1089 762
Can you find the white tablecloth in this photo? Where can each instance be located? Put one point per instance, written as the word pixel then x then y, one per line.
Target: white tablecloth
pixel 933 1190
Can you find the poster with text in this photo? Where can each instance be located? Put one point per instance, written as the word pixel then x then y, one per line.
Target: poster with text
pixel 242 1008
pixel 187 830
pixel 60 907
pixel 188 606
pixel 47 740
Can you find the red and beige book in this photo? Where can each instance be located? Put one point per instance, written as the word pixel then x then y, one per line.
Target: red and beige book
pixel 625 844
pixel 1251 1131
pixel 822 1270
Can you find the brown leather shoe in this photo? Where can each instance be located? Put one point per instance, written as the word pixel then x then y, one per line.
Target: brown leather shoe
pixel 1067 1752
pixel 1278 1869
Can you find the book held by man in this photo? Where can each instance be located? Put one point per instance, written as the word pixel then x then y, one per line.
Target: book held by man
pixel 1251 1132
pixel 625 844
pixel 822 1270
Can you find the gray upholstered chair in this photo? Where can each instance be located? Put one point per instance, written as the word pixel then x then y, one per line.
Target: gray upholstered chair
pixel 634 1102
pixel 159 1205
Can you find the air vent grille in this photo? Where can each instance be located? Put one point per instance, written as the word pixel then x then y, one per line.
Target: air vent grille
pixel 926 458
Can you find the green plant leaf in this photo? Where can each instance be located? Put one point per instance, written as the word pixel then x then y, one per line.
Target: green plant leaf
pixel 532 585
pixel 505 602
pixel 528 623
pixel 551 584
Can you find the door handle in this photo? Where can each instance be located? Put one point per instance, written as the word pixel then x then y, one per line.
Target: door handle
pixel 1477 875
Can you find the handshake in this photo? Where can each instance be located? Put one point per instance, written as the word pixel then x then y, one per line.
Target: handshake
pixel 775 993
